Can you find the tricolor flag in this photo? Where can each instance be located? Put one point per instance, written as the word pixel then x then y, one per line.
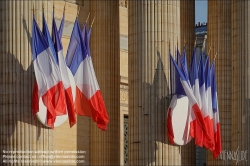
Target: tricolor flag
pixel 209 101
pixel 177 90
pixel 64 73
pixel 217 135
pixel 182 63
pixel 35 98
pixel 207 141
pixel 195 129
pixel 48 78
pixel 89 101
pixel 191 97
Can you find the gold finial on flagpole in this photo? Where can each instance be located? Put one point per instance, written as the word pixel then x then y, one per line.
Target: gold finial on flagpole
pixel 78 11
pixel 43 6
pixel 215 56
pixel 195 42
pixel 184 42
pixel 88 17
pixel 202 49
pixel 209 50
pixel 92 22
pixel 53 6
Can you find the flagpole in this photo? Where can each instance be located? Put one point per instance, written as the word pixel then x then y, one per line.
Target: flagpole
pixel 209 50
pixel 64 7
pixel 78 11
pixel 203 49
pixel 92 22
pixel 33 9
pixel 170 70
pixel 215 56
pixel 195 42
pixel 177 43
pixel 53 7
pixel 184 45
pixel 184 42
pixel 88 17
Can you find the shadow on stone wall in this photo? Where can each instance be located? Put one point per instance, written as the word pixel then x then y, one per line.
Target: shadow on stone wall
pixel 155 100
pixel 154 146
pixel 17 86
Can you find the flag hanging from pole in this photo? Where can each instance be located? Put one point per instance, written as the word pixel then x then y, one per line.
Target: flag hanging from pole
pixel 48 38
pixel 176 90
pixel 207 141
pixel 89 101
pixel 191 97
pixel 64 73
pixel 49 83
pixel 46 34
pixel 195 129
pixel 209 102
pixel 216 125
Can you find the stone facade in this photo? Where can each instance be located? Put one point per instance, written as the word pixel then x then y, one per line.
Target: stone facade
pixel 219 40
pixel 130 51
pixel 151 28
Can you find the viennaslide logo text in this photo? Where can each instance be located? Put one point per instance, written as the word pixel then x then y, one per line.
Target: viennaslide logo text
pixel 238 155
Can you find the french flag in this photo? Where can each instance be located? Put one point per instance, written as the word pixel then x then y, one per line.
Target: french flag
pixel 87 34
pixel 192 100
pixel 89 101
pixel 46 34
pixel 216 125
pixel 177 90
pixel 209 101
pixel 49 82
pixel 195 129
pixel 63 71
pixel 35 98
pixel 207 141
pixel 184 68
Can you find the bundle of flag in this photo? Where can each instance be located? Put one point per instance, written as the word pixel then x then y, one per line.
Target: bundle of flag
pixel 48 84
pixel 89 101
pixel 200 88
pixel 52 79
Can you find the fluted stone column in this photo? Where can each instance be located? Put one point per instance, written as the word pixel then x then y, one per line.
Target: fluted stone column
pixel 105 48
pixel 151 25
pixel 241 78
pixel 18 129
pixel 187 30
pixel 219 38
pixel 187 23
